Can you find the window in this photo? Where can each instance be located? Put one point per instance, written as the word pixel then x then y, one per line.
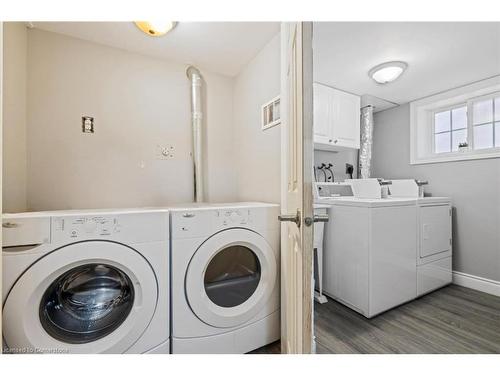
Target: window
pixel 450 129
pixel 486 123
pixel 459 124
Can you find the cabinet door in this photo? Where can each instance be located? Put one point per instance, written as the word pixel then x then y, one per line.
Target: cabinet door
pixel 435 230
pixel 346 119
pixel 323 121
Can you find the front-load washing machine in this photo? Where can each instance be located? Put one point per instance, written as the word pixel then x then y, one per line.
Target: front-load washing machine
pixel 86 282
pixel 225 277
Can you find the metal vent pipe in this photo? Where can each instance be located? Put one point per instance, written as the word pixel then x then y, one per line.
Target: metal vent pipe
pixel 365 148
pixel 194 76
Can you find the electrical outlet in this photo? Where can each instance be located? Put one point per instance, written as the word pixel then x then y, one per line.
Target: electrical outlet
pixel 87 124
pixel 164 152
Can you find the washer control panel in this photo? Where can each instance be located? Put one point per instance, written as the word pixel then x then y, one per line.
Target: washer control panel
pixel 85 227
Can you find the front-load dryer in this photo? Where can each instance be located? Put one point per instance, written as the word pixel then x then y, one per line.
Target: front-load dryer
pixel 225 278
pixel 86 282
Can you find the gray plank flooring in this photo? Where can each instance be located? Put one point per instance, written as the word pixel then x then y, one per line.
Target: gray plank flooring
pixel 450 320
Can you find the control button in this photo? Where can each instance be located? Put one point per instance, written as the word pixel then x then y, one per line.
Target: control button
pixel 89 225
pixel 73 233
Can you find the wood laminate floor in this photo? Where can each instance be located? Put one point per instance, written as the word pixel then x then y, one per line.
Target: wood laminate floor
pixel 450 320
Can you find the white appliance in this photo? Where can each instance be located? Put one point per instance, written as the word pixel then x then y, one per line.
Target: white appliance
pixel 225 277
pixel 380 253
pixel 369 257
pixel 319 230
pixel 86 282
pixel 434 268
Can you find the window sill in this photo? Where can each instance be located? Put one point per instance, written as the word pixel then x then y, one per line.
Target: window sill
pixel 458 156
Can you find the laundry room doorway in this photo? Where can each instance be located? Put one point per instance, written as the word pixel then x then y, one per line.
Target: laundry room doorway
pixel 297 203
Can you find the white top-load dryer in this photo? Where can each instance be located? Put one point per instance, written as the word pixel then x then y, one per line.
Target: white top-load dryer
pixel 225 277
pixel 86 281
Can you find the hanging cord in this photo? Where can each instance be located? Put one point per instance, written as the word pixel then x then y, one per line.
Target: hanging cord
pixel 321 168
pixel 326 168
pixel 329 168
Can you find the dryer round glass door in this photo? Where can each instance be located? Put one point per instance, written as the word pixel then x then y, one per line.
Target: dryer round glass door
pixel 87 297
pixel 231 277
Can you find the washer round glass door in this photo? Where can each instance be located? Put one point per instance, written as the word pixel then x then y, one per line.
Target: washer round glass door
pixel 86 303
pixel 87 297
pixel 230 277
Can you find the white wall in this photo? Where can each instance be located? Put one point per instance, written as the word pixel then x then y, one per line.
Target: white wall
pixel 14 117
pixel 474 186
pixel 256 152
pixel 138 103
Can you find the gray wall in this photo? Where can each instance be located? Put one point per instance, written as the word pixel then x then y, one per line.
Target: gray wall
pixel 339 160
pixel 474 186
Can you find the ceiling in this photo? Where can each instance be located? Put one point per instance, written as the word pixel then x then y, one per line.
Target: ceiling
pixel 220 47
pixel 440 56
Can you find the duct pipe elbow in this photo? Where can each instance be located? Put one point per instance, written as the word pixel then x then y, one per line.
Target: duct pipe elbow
pixel 192 71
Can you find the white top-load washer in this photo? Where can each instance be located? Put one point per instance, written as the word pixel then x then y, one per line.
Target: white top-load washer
pixel 91 281
pixel 380 253
pixel 225 277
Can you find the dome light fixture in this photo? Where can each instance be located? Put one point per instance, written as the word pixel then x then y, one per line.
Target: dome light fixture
pixel 387 72
pixel 155 28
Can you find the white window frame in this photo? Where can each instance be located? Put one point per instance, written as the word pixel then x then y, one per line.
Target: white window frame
pixel 492 95
pixel 422 142
pixel 433 133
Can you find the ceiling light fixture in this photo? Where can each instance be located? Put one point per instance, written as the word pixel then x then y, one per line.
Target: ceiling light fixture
pixel 387 72
pixel 155 28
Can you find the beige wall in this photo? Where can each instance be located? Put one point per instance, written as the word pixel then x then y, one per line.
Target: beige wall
pixel 257 152
pixel 14 117
pixel 138 103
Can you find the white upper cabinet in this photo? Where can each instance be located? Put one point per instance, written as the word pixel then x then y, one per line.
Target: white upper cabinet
pixel 336 118
pixel 323 112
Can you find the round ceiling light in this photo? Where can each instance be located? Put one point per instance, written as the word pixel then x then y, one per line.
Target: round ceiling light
pixel 387 72
pixel 155 28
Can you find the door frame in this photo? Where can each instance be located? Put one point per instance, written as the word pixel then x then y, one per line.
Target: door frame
pixel 1 159
pixel 302 313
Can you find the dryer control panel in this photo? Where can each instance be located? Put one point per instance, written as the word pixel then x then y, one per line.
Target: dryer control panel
pixel 236 217
pixel 201 222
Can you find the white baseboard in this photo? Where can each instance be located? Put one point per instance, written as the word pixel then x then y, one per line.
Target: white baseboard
pixel 477 283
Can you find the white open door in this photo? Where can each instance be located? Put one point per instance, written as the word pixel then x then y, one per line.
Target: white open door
pixel 297 200
pixel 1 153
